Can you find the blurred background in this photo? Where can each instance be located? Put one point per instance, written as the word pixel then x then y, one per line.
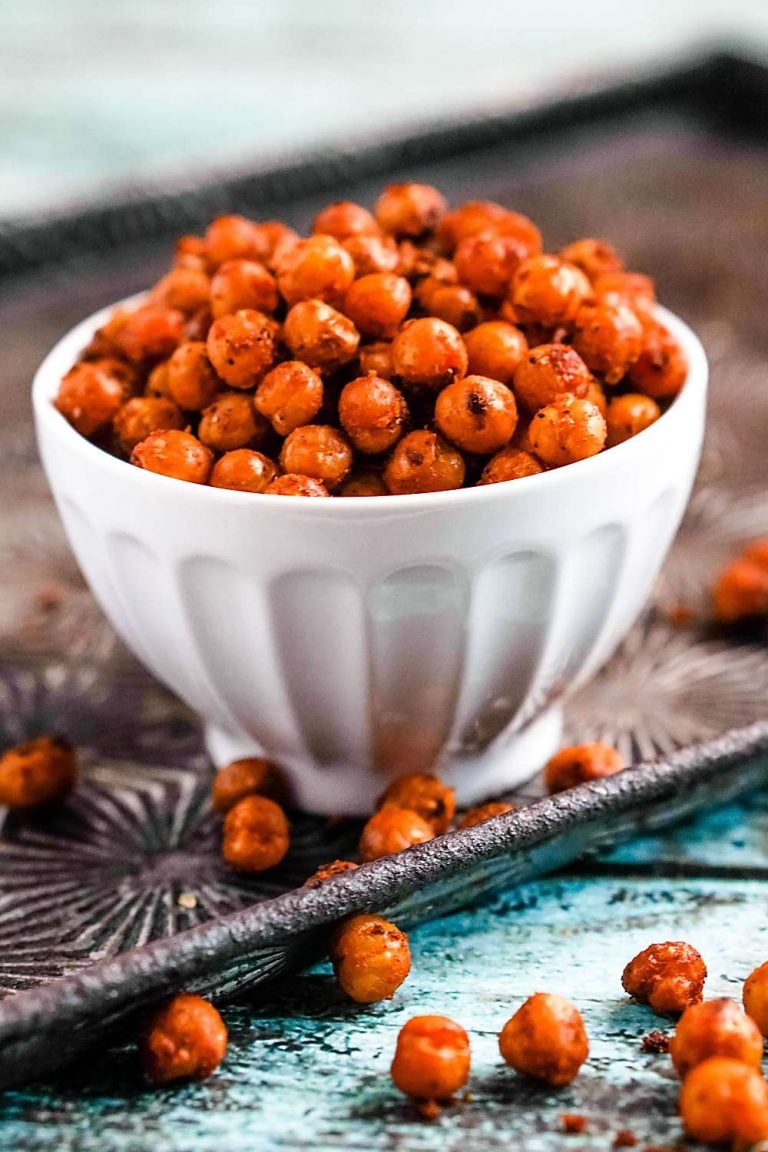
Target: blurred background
pixel 97 96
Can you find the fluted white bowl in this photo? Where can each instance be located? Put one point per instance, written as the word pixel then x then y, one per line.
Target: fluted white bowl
pixel 351 640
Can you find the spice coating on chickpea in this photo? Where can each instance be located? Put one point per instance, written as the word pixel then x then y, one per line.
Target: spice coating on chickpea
pixel 477 414
pixel 495 349
pixel 432 1058
pixel 192 382
pixel 185 1039
pixel 549 371
pixel 669 977
pixel 423 462
pixel 242 347
pixel 371 958
pixel 724 1101
pixel 392 830
pixel 252 776
pixel 328 871
pixel 485 812
pixel 344 219
pixel 661 368
pixel 715 1028
pixel 256 834
pixel 545 1039
pixel 377 304
pixel 420 792
pixel 579 763
pixel 141 415
pixel 594 257
pixel 150 333
pixel 179 455
pixel 289 396
pixel 409 209
pixel 372 412
pixel 319 451
pixel 547 290
pixel 292 484
pixel 243 470
pixel 510 464
pixel 319 335
pixel 242 284
pixel 39 772
pixel 609 338
pixel 567 430
pixel 318 268
pixel 628 415
pixel 429 353
pixel 89 396
pixel 231 422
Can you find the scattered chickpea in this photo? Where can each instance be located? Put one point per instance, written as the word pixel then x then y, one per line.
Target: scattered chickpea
pixel 319 335
pixel 715 1028
pixel 567 430
pixel 289 396
pixel 378 304
pixel 579 763
pixel 392 830
pixel 609 338
pixel 372 412
pixel 344 219
pixel 256 834
pixel 409 209
pixel 495 349
pixel 477 414
pixel 429 353
pixel 432 1058
pixel 423 462
pixel 141 415
pixel 319 451
pixel 510 464
pixel 39 772
pixel 724 1101
pixel 420 792
pixel 371 958
pixel 741 591
pixel 185 1039
pixel 594 257
pixel 242 347
pixel 549 371
pixel 150 332
pixel 90 395
pixel 629 414
pixel 545 1039
pixel 294 485
pixel 243 470
pixel 755 997
pixel 252 776
pixel 661 368
pixel 242 284
pixel 547 290
pixel 179 455
pixel 669 977
pixel 328 871
pixel 485 812
pixel 231 422
pixel 318 268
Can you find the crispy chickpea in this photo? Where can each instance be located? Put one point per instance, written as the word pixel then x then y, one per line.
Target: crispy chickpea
pixel 371 958
pixel 256 834
pixel 317 268
pixel 392 830
pixel 547 290
pixel 669 977
pixel 189 246
pixel 243 470
pixel 184 288
pixel 319 451
pixel 179 455
pixel 596 396
pixel 319 335
pixel 485 812
pixel 231 422
pixel 545 1039
pixel 495 349
pixel 157 381
pixel 510 464
pixel 239 284
pixel 632 288
pixel 192 381
pixel 378 304
pixel 328 872
pixel 417 262
pixel 487 261
pixel 420 792
pixel 548 371
pixel 372 253
pixel 477 414
pixel 372 412
pixel 579 763
pixel 294 485
pixel 39 772
pixel 609 338
pixel 724 1102
pixel 90 395
pixel 432 1058
pixel 741 591
pixel 141 415
pixel 253 776
pixel 429 353
pixel 567 430
pixel 150 332
pixel 755 997
pixel 185 1039
pixel 377 358
pixel 275 239
pixel 242 347
pixel 456 305
pixel 234 238
pixel 409 209
pixel 364 484
pixel 594 257
pixel 197 325
pixel 661 368
pixel 344 219
pixel 468 218
pixel 289 396
pixel 629 414
pixel 423 462
pixel 715 1028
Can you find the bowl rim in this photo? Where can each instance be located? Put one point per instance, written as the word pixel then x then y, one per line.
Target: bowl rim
pixel 63 354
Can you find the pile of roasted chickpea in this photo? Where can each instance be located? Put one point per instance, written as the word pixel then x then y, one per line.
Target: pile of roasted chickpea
pixel 415 348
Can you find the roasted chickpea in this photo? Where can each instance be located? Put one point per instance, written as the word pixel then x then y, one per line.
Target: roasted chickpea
pixel 231 422
pixel 328 872
pixel 141 415
pixel 594 257
pixel 579 763
pixel 150 332
pixel 234 238
pixel 596 396
pixel 547 290
pixel 485 812
pixel 724 1102
pixel 243 470
pixel 545 1039
pixel 661 368
pixel 293 485
pixel 240 284
pixel 184 288
pixel 715 1028
pixel 190 246
pixel 632 288
pixel 423 462
pixel 756 997
pixel 372 253
pixel 371 958
pixel 317 268
pixel 477 414
pixel 275 240
pixel 392 830
pixel 192 381
pixel 495 349
pixel 378 304
pixel 487 261
pixel 256 834
pixel 547 372
pixel 757 551
pixel 409 209
pixel 417 261
pixel 39 772
pixel 372 412
pixel 157 381
pixel 468 218
pixel 289 396
pixel 510 464
pixel 432 1058
pixel 185 1039
pixel 670 977
pixel 242 347
pixel 197 325
pixel 319 451
pixel 344 219
pixel 377 358
pixel 629 414
pixel 567 430
pixel 429 353
pixel 90 395
pixel 609 338
pixel 419 792
pixel 319 335
pixel 456 305
pixel 252 776
pixel 741 591
pixel 179 455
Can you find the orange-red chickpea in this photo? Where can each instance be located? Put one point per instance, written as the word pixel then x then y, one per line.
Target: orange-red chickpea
pixel 372 253
pixel 548 371
pixel 423 462
pixel 485 812
pixel 755 997
pixel 595 394
pixel 292 484
pixel 741 591
pixel 547 290
pixel 39 772
pixel 633 288
pixel 477 414
pixel 179 455
pixel 495 349
pixel 567 430
pixel 429 353
pixel 456 305
pixel 157 381
pixel 185 288
pixel 317 268
pixel 510 464
pixel 141 415
pixel 239 284
pixel 545 1039
pixel 192 381
pixel 364 484
pixel 715 1028
pixel 757 551
pixel 579 763
pixel 628 415
pixel 432 1058
pixel 328 872
pixel 467 219
pixel 377 358
pixel 661 368
pixel 90 395
pixel 197 325
pixel 344 219
pixel 150 332
pixel 724 1101
pixel 595 257
pixel 184 1039
pixel 319 451
pixel 420 792
pixel 252 776
pixel 378 304
pixel 371 958
pixel 190 246
pixel 372 412
pixel 609 338
pixel 243 470
pixel 256 834
pixel 319 335
pixel 242 347
pixel 289 396
pixel 231 422
pixel 669 977
pixel 487 261
pixel 234 238
pixel 392 830
pixel 409 209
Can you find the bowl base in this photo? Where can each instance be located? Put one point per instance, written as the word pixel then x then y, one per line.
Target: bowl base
pixel 334 790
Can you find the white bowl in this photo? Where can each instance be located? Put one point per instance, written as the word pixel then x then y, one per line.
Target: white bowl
pixel 353 640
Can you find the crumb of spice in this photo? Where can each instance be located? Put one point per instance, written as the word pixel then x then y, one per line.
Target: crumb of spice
pixel 573 1124
pixel 655 1042
pixel 429 1109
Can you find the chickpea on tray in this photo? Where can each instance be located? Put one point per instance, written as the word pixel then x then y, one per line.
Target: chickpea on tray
pixel 414 349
